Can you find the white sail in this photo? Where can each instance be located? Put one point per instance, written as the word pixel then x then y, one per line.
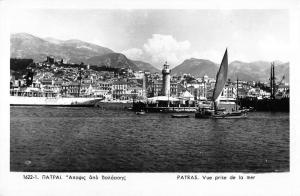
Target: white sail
pixel 221 77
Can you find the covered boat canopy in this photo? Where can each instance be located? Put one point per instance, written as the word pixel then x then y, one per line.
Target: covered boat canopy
pixel 162 98
pixel 187 95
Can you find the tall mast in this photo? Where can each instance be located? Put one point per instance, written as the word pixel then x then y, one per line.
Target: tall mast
pixel 274 84
pixel 237 92
pixel 272 81
pixel 79 82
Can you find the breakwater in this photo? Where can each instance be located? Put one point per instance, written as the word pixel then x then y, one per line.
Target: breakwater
pixel 164 107
pixel 113 105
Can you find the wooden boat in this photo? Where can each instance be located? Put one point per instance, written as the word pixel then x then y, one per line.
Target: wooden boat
pixel 204 113
pixel 250 109
pixel 220 83
pixel 140 112
pixel 230 115
pixel 180 116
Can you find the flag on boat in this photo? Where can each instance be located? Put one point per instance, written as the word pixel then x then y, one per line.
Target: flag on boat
pixel 221 77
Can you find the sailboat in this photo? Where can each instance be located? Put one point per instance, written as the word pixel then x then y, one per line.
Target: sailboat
pixel 220 83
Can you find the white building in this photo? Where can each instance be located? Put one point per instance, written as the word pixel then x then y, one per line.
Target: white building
pixel 228 93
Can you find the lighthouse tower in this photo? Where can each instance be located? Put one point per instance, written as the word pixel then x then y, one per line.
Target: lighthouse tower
pixel 166 80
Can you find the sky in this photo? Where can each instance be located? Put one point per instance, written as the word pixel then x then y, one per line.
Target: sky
pixel 156 36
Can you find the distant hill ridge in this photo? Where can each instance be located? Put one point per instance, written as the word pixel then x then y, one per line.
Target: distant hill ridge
pixel 145 66
pixel 24 45
pixel 196 67
pixel 253 71
pixel 116 60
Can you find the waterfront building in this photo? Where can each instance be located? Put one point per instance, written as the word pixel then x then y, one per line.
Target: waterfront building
pixel 105 85
pixel 156 88
pixel 198 90
pixel 102 89
pixel 86 89
pixel 46 82
pixel 119 89
pixel 18 83
pixel 257 92
pixel 229 92
pixel 283 91
pixel 134 93
pixel 70 89
pixel 242 92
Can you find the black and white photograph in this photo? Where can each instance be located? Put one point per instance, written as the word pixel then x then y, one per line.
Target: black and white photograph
pixel 172 91
pixel 149 91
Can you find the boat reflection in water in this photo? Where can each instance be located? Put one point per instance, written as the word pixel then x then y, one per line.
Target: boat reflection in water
pixel 180 116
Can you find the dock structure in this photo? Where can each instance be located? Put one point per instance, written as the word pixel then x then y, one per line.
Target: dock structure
pixel 165 102
pixel 171 109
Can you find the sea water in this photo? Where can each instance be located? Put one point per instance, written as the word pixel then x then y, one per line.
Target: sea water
pixel 55 139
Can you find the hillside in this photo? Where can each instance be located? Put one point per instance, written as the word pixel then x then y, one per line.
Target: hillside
pixel 257 71
pixel 24 45
pixel 115 60
pixel 27 46
pixel 145 66
pixel 253 71
pixel 196 67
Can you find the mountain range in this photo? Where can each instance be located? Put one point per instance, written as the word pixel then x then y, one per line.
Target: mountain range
pixel 196 67
pixel 116 60
pixel 25 45
pixel 145 66
pixel 253 71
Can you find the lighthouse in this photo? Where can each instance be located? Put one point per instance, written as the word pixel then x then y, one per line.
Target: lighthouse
pixel 166 80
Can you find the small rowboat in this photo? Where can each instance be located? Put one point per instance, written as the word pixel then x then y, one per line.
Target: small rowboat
pixel 140 113
pixel 231 115
pixel 180 116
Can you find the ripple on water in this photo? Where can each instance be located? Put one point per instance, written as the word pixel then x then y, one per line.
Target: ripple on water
pixel 94 140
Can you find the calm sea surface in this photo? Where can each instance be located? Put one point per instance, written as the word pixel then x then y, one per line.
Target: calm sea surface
pixel 96 140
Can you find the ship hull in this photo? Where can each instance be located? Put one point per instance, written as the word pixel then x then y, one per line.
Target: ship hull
pixel 54 101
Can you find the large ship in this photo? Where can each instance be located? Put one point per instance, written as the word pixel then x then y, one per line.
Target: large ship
pixel 28 95
pixel 34 98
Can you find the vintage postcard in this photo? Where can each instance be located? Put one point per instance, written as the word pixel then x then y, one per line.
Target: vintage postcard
pixel 185 96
